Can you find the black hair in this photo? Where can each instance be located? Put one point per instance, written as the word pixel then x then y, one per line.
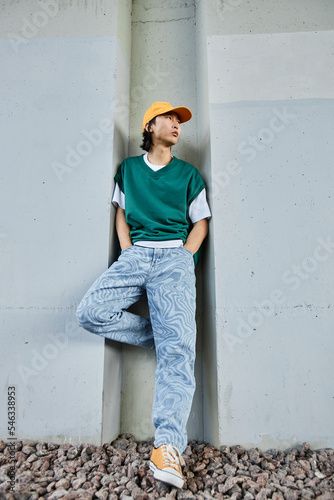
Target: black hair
pixel 147 137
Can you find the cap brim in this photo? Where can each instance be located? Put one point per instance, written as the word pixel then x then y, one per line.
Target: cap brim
pixel 183 112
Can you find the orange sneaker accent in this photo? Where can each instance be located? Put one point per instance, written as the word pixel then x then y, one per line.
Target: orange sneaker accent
pixel 165 463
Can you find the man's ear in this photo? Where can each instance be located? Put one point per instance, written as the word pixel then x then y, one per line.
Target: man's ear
pixel 148 127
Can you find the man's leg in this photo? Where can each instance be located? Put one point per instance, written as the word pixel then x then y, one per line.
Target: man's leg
pixel 171 292
pixel 101 310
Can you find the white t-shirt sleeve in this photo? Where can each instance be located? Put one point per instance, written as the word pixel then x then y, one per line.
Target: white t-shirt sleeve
pixel 199 208
pixel 118 198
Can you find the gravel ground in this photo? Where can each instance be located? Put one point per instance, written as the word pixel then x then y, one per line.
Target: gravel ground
pixel 120 470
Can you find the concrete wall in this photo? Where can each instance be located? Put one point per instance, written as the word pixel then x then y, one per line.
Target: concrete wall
pixel 270 97
pixel 259 82
pixel 64 68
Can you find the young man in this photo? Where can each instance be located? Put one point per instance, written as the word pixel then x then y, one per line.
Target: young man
pixel 161 222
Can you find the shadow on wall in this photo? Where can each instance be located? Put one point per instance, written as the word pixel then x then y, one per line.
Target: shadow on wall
pixel 120 148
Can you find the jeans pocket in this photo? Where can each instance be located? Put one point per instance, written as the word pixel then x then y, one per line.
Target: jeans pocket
pixel 188 252
pixel 127 248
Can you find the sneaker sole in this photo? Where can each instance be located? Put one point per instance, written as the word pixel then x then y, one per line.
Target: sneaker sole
pixel 166 477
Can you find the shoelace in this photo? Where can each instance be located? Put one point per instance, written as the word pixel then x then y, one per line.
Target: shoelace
pixel 171 454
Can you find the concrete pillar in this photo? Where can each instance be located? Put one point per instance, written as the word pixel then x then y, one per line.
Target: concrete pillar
pixel 163 68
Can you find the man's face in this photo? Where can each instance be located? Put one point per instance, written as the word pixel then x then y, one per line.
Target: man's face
pixel 167 129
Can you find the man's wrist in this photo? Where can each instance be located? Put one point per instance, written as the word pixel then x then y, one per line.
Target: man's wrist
pixel 192 250
pixel 126 245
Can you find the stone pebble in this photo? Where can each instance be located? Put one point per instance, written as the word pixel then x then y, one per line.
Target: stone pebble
pixel 120 469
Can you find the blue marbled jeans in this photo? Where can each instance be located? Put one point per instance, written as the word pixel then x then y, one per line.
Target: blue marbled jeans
pixel 168 275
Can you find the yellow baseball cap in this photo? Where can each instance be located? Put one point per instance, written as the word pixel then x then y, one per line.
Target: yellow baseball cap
pixel 160 107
